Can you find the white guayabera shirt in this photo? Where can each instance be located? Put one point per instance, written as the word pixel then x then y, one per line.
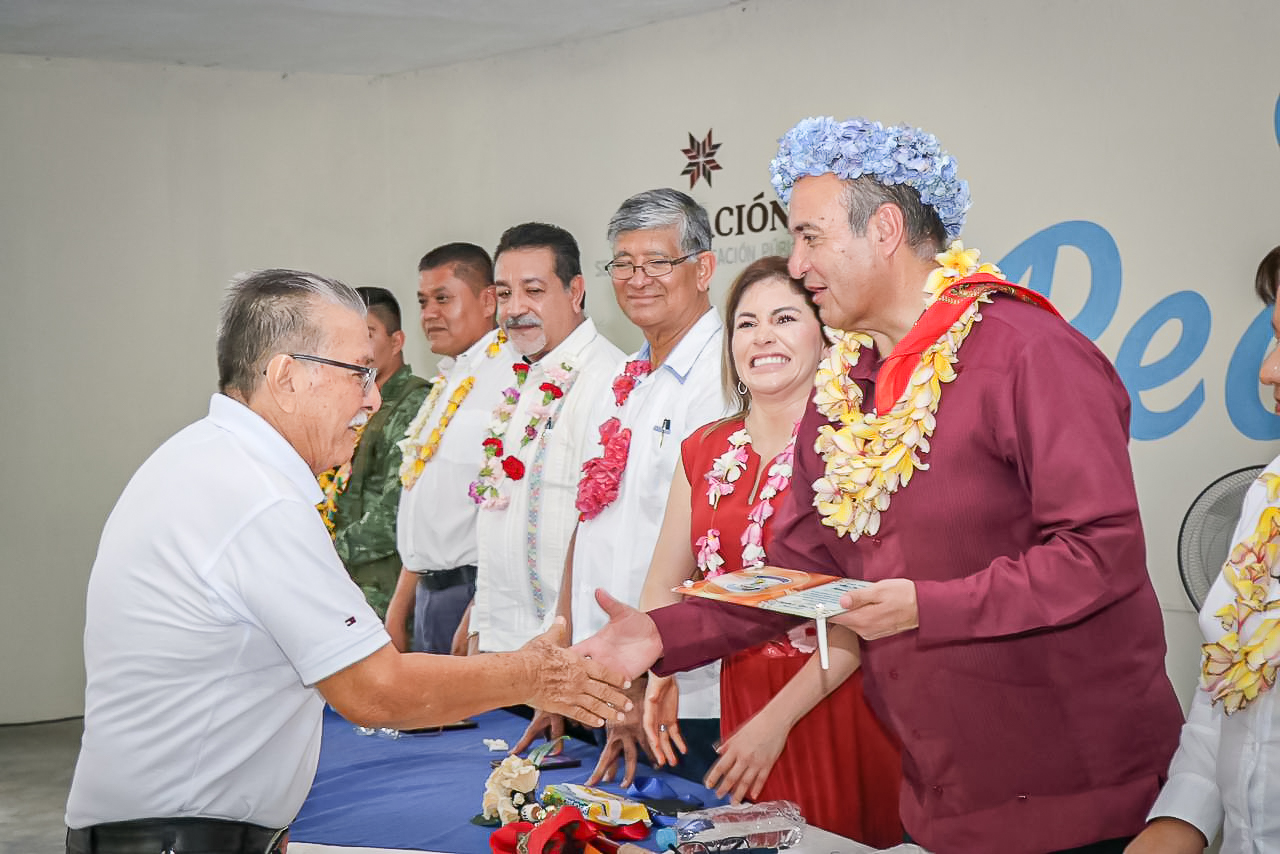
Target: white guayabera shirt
pixel 613 550
pixel 523 545
pixel 436 521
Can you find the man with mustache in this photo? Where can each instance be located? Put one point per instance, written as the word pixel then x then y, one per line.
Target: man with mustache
pixel 436 523
pixel 538 435
pixel 220 620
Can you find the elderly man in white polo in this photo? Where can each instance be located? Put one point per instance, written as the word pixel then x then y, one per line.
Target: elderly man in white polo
pixel 220 619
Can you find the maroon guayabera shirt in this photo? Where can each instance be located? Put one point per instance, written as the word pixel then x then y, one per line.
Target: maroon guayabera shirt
pixel 1032 702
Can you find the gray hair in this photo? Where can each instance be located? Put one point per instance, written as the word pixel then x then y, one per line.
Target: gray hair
pixel 268 312
pixel 664 208
pixel 863 196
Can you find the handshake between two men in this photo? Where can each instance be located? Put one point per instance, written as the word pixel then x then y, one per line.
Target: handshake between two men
pixel 630 643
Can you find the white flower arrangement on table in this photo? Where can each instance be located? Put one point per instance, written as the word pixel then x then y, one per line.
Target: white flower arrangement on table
pixel 509 791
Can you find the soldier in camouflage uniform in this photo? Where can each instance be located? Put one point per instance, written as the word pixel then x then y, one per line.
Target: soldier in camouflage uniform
pixel 362 497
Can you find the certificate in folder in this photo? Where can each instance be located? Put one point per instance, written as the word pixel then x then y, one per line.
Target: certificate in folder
pixel 786 591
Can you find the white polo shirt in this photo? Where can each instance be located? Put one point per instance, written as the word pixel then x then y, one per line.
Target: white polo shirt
pixel 614 549
pixel 523 546
pixel 215 604
pixel 436 521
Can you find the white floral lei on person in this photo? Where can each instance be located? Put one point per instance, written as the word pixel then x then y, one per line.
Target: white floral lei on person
pixel 416 453
pixel 868 456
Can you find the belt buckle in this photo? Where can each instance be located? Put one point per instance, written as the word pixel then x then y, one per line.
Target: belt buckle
pixel 275 845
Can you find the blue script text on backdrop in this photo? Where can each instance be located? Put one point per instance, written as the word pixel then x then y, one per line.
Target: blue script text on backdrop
pixel 1038 254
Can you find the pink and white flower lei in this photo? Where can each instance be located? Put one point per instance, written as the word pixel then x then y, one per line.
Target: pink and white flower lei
pixel 559 379
pixel 728 467
pixel 484 489
pixel 498 465
pixel 776 482
pixel 709 559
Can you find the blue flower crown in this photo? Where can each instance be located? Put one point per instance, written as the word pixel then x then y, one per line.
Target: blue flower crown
pixel 896 155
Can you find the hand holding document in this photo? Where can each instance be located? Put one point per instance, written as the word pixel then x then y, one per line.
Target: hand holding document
pixel 786 591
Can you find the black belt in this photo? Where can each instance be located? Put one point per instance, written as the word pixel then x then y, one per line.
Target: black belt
pixel 444 578
pixel 179 835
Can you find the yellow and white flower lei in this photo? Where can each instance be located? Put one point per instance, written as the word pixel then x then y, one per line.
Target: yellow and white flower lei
pixel 1233 671
pixel 333 482
pixel 869 457
pixel 415 452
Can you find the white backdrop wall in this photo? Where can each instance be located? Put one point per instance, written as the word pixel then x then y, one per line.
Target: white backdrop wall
pixel 130 194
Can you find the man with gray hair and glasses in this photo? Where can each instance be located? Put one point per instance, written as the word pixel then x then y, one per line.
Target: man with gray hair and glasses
pixel 661 269
pixel 220 619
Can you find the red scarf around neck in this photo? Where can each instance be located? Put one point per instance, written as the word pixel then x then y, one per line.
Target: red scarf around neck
pixel 896 370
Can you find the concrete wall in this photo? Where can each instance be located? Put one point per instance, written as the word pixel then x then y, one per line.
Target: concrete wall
pixel 1143 146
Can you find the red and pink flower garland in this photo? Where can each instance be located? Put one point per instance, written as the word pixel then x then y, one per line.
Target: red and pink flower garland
pixel 602 475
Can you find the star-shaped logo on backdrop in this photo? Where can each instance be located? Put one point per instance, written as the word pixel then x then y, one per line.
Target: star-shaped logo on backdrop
pixel 702 159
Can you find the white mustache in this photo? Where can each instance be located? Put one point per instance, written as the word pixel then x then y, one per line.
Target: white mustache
pixel 360 420
pixel 523 321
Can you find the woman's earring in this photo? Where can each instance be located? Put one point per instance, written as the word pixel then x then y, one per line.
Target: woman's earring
pixel 742 388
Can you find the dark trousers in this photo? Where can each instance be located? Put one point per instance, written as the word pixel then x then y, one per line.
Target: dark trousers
pixel 183 835
pixel 441 600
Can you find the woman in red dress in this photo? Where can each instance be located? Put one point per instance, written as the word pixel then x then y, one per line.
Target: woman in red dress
pixel 794 731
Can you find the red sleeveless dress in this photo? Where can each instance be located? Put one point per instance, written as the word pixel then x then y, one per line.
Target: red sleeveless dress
pixel 840 765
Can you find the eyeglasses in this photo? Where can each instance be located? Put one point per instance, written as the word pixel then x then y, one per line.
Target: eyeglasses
pixel 367 374
pixel 655 269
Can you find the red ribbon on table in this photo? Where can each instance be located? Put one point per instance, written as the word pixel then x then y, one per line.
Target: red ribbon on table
pixel 565 831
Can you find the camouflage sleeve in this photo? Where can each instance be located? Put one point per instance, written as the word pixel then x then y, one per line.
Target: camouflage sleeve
pixel 376 492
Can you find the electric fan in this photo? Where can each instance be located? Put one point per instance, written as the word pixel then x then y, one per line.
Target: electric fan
pixel 1204 542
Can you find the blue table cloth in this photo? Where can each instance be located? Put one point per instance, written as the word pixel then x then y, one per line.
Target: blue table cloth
pixel 421 791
